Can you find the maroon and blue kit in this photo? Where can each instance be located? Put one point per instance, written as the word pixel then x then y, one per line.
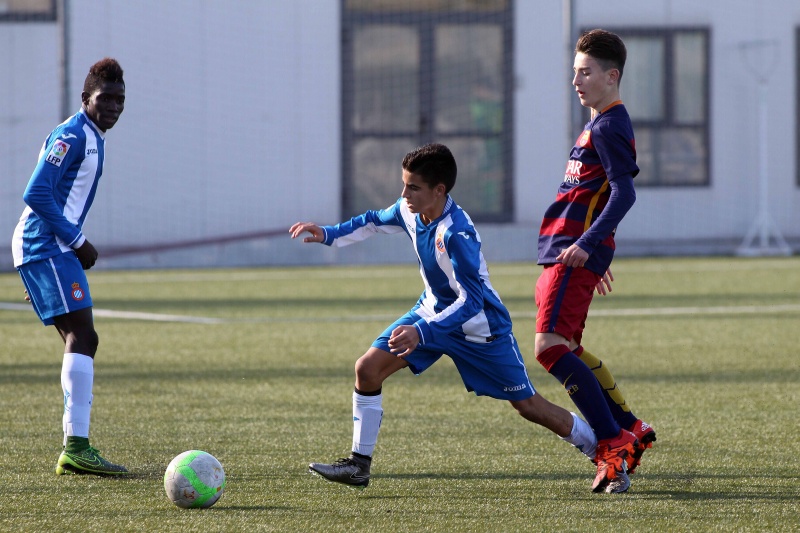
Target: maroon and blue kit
pixel 595 194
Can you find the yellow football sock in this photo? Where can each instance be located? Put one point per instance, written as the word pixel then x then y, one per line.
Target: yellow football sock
pixel 604 377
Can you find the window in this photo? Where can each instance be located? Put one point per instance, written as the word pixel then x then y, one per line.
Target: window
pixel 665 88
pixel 422 71
pixel 27 10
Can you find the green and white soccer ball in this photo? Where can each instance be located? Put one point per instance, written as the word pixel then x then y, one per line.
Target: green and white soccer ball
pixel 194 479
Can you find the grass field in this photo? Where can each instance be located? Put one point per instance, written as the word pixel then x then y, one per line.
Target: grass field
pixel 256 367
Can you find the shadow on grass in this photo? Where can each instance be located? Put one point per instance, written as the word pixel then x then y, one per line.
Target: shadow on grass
pixel 682 487
pixel 740 487
pixel 478 476
pixel 46 372
pixel 31 373
pixel 225 508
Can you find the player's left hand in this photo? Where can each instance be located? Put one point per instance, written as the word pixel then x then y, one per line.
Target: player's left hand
pixel 404 340
pixel 604 285
pixel 87 254
pixel 574 256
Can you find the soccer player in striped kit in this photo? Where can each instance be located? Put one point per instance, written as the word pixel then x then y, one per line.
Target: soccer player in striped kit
pixel 576 246
pixel 459 314
pixel 51 252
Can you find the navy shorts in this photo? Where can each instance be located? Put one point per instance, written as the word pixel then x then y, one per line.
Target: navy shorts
pixel 494 369
pixel 56 285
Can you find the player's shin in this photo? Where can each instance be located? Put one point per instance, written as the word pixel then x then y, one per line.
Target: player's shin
pixel 77 377
pixel 367 417
pixel 582 387
pixel 613 395
pixel 582 437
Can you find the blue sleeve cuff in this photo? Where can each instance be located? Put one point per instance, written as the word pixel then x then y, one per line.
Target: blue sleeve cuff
pixel 327 238
pixel 424 332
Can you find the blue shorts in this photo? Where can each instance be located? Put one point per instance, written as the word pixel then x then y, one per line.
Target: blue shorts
pixel 494 369
pixel 56 285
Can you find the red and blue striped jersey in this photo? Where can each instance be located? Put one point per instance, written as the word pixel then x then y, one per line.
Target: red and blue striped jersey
pixel 596 192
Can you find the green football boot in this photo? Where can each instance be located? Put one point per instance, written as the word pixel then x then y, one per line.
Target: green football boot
pixel 88 461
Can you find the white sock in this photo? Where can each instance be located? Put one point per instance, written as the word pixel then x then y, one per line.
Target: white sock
pixel 367 416
pixel 582 437
pixel 77 376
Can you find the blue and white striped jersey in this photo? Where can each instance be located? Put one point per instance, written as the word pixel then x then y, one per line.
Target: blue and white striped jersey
pixel 60 191
pixel 458 297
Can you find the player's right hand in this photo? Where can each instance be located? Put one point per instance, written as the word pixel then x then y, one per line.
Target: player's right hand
pixel 298 228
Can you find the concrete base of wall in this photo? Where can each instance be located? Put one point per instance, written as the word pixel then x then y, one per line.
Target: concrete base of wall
pixel 501 244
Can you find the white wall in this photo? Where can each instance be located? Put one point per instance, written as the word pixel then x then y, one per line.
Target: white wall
pixel 29 107
pixel 232 124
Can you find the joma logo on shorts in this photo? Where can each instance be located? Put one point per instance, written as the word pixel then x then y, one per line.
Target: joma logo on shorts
pixel 515 388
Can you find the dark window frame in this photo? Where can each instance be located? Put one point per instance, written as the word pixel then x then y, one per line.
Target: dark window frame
pixel 351 19
pixel 797 105
pixel 51 15
pixel 667 35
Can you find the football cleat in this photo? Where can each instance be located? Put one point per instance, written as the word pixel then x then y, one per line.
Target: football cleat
pixel 352 471
pixel 647 436
pixel 610 461
pixel 621 483
pixel 88 461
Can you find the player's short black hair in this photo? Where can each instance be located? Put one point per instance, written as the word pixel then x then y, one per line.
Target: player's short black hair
pixel 104 71
pixel 606 47
pixel 434 163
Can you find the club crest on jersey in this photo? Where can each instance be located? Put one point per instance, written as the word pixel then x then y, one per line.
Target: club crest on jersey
pixel 440 243
pixel 57 153
pixel 583 140
pixel 77 292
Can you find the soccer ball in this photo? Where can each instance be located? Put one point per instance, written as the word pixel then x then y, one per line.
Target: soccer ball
pixel 194 479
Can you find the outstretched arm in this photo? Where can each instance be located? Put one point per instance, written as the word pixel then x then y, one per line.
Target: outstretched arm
pixel 317 233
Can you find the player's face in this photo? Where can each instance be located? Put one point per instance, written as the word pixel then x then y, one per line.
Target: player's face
pixel 105 104
pixel 422 198
pixel 596 88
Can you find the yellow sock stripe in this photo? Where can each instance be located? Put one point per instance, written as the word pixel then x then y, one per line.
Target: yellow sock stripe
pixel 605 378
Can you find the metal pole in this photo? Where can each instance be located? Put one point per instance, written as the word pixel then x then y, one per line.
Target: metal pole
pixel 63 67
pixel 574 109
pixel 763 184
pixel 763 226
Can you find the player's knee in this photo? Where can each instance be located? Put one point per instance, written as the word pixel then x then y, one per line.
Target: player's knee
pixel 93 341
pixel 536 409
pixel 84 341
pixel 364 370
pixel 550 356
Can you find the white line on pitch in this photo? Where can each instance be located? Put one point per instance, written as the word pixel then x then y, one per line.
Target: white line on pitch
pixel 130 315
pixel 676 311
pixel 648 311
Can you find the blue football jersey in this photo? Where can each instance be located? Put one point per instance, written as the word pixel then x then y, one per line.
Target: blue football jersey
pixel 458 298
pixel 60 191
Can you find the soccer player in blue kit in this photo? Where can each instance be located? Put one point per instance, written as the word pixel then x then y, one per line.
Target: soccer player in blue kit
pixel 459 314
pixel 51 253
pixel 576 246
